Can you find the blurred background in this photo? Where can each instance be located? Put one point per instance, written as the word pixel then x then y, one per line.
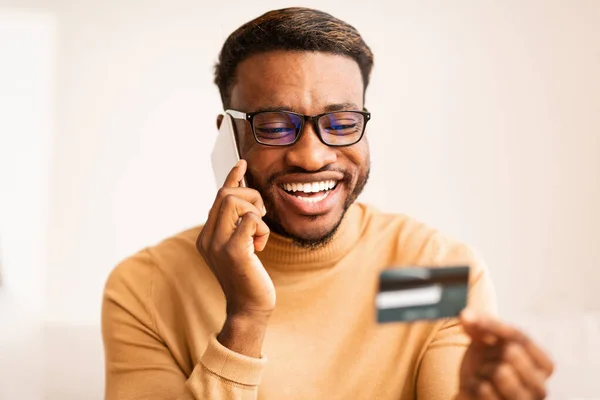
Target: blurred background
pixel 107 118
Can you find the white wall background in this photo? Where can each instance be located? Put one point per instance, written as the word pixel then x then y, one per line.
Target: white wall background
pixel 497 142
pixel 27 56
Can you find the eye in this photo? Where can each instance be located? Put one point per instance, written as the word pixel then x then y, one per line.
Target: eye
pixel 340 127
pixel 274 130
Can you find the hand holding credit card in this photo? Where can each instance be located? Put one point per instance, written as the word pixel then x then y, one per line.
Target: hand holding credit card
pixel 418 293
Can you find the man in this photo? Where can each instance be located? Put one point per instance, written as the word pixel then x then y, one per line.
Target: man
pixel 273 297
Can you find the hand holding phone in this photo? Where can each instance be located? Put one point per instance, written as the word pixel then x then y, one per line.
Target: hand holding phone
pixel 232 235
pixel 234 232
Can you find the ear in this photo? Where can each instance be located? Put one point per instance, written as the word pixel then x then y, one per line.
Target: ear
pixel 219 120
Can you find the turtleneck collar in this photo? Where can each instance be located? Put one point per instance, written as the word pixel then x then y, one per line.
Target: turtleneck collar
pixel 283 255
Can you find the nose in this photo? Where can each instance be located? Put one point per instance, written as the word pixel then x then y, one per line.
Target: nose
pixel 309 153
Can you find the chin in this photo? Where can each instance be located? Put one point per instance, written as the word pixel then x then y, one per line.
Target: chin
pixel 310 231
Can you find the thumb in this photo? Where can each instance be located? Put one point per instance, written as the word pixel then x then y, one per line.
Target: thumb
pixel 236 175
pixel 471 323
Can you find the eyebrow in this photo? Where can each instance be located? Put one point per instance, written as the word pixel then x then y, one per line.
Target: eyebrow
pixel 327 108
pixel 341 106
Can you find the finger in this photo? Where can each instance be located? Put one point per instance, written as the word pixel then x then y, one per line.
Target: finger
pixel 236 175
pixel 507 383
pixel 232 209
pixel 475 385
pixel 486 371
pixel 488 329
pixel 493 353
pixel 539 357
pixel 247 194
pixel 485 391
pixel 489 353
pixel 250 195
pixel 525 367
pixel 251 234
pixel 479 336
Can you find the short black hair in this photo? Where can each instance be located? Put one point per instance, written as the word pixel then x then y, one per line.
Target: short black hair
pixel 292 29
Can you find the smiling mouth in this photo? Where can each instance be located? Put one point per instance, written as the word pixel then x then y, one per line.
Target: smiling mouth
pixel 310 192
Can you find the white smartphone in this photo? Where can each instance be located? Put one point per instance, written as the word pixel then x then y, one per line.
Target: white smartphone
pixel 225 153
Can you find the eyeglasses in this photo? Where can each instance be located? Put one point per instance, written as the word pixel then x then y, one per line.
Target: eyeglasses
pixel 283 128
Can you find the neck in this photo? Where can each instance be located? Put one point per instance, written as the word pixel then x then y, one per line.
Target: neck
pixel 285 254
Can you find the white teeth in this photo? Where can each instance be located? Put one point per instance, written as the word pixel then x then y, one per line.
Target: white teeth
pixel 313 199
pixel 313 187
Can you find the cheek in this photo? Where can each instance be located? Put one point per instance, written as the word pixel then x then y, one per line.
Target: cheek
pixel 358 156
pixel 256 162
pixel 263 161
pixel 364 148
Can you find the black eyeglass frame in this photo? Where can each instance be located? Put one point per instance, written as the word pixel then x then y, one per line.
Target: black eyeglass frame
pixel 314 119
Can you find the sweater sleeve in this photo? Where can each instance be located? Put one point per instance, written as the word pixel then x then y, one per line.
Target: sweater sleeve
pixel 139 364
pixel 438 377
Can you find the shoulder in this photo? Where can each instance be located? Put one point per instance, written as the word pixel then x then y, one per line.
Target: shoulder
pixel 411 241
pixel 155 269
pixel 407 236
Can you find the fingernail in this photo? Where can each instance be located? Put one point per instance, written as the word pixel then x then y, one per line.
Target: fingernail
pixel 264 210
pixel 238 163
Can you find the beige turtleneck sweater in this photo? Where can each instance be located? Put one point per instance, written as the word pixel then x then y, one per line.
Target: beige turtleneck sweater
pixel 162 310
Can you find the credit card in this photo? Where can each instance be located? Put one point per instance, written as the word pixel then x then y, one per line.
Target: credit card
pixel 418 293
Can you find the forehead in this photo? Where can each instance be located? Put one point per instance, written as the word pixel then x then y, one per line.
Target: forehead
pixel 303 81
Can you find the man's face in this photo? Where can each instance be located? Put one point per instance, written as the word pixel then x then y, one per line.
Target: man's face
pixel 309 83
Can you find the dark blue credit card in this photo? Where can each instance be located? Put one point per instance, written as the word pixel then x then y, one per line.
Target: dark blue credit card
pixel 419 293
